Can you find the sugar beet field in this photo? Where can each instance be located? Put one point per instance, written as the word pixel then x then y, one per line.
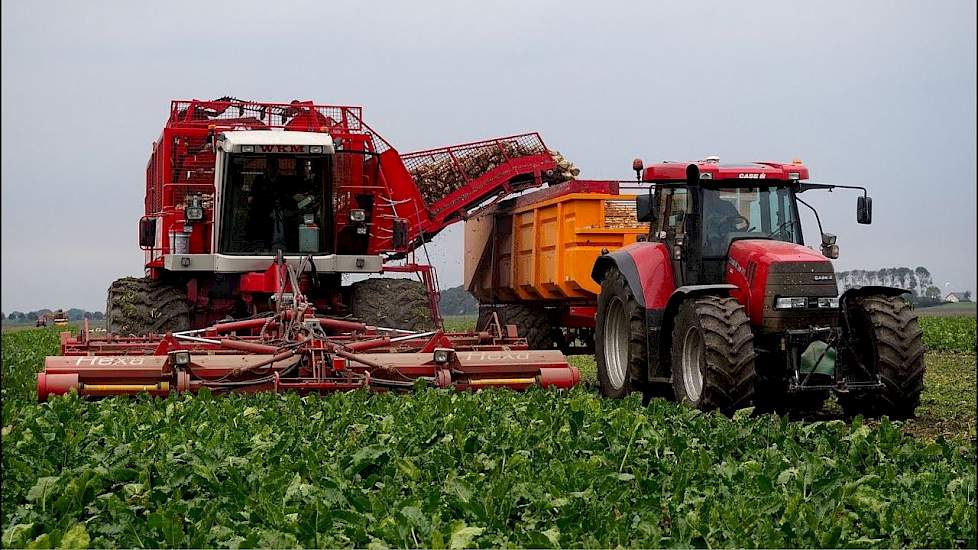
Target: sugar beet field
pixel 440 469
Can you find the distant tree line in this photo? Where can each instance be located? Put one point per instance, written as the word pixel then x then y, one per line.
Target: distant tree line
pixel 918 281
pixel 74 314
pixel 457 301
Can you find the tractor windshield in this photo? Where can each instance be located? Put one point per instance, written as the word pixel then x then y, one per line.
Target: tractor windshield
pixel 275 202
pixel 747 212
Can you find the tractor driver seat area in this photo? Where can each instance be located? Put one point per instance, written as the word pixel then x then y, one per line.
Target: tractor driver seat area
pixel 273 204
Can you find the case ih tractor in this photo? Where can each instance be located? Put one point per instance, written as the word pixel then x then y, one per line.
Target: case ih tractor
pixel 722 305
pixel 254 214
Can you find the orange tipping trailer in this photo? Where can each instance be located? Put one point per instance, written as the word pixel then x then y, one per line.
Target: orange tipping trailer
pixel 528 260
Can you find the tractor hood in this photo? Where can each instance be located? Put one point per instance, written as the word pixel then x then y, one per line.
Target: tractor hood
pixel 763 270
pixel 767 251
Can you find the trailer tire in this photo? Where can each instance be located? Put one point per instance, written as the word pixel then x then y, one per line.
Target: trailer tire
pixel 713 354
pixel 893 344
pixel 140 306
pixel 620 337
pixel 393 303
pixel 532 323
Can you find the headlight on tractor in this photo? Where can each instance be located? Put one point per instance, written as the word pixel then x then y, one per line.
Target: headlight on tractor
pixel 791 303
pixel 828 303
pixel 801 302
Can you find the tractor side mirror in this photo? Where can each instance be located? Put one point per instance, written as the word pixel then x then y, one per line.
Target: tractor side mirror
pixel 829 247
pixel 147 232
pixel 643 208
pixel 864 210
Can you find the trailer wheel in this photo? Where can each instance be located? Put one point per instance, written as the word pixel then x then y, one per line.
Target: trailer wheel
pixel 393 303
pixel 713 354
pixel 138 305
pixel 621 339
pixel 888 340
pixel 532 323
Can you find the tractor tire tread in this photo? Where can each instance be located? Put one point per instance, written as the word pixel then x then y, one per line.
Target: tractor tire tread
pixel 730 377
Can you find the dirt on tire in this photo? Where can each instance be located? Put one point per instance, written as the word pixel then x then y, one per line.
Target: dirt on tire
pixel 727 366
pixel 140 306
pixel 532 323
pixel 393 303
pixel 614 286
pixel 894 343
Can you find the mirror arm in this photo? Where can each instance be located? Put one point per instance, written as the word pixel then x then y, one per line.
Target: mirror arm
pixel 817 219
pixel 802 187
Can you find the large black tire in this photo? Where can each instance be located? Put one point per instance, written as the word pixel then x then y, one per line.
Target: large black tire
pixel 137 305
pixel 620 339
pixel 712 337
pixel 532 323
pixel 889 341
pixel 392 303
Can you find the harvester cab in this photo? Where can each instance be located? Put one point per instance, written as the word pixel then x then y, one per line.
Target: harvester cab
pixel 724 306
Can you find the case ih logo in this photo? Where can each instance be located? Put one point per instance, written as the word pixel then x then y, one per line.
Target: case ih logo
pixel 823 277
pixel 282 148
pixel 752 176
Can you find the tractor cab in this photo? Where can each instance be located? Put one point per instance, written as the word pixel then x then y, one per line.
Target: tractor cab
pixel 699 210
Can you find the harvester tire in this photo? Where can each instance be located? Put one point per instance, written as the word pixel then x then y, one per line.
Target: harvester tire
pixel 392 303
pixel 713 354
pixel 620 338
pixel 889 340
pixel 532 323
pixel 138 305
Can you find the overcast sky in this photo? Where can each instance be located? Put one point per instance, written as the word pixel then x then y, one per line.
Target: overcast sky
pixel 880 94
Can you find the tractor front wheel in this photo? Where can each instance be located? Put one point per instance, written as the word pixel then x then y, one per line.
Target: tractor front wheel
pixel 713 354
pixel 140 306
pixel 887 340
pixel 621 340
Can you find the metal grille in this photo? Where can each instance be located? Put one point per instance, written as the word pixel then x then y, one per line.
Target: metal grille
pixel 440 172
pixel 230 113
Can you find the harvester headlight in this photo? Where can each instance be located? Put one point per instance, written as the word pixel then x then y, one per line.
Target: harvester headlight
pixel 180 358
pixel 247 148
pixel 443 355
pixel 358 215
pixel 791 303
pixel 195 213
pixel 829 303
pixel 316 149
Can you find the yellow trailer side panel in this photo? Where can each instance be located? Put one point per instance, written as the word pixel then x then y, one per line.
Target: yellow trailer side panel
pixel 545 251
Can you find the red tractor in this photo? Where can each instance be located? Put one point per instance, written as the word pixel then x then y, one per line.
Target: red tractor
pixel 722 305
pixel 236 188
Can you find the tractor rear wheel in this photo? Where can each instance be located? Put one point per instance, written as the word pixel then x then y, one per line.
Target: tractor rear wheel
pixel 532 323
pixel 393 303
pixel 889 341
pixel 713 354
pixel 138 305
pixel 620 338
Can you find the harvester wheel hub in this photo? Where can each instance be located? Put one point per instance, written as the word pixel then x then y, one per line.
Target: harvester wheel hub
pixel 616 343
pixel 693 356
